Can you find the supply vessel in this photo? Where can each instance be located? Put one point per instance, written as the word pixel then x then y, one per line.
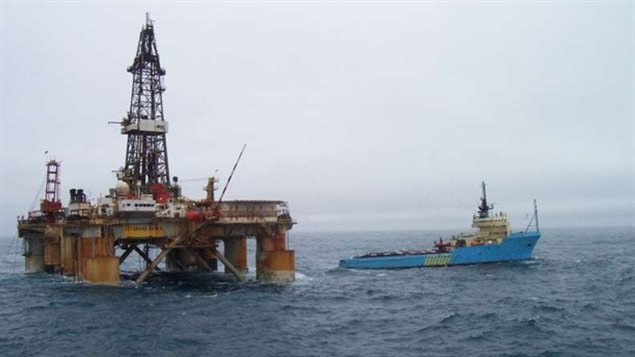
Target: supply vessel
pixel 492 242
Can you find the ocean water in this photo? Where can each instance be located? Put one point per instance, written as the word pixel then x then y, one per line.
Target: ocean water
pixel 576 298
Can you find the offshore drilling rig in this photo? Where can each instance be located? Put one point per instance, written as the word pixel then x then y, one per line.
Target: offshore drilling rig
pixel 146 212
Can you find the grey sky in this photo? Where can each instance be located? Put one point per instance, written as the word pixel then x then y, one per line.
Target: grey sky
pixel 375 115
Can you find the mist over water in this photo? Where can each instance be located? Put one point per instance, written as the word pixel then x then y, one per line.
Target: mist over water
pixel 576 298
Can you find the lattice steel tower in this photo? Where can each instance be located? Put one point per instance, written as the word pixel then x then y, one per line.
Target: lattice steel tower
pixel 146 154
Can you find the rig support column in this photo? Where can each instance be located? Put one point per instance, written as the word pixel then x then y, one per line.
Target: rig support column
pixel 68 252
pixel 274 262
pixel 97 261
pixel 34 253
pixel 52 244
pixel 236 253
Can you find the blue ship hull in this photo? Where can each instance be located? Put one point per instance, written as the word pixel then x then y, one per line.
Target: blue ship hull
pixel 517 246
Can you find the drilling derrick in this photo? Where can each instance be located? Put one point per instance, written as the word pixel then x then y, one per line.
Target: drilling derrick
pixel 145 125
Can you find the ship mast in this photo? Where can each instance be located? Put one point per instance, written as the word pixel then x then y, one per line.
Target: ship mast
pixel 483 208
pixel 145 125
pixel 534 218
pixel 536 215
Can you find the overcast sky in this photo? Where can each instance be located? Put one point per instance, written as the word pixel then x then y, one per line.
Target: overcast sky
pixel 362 115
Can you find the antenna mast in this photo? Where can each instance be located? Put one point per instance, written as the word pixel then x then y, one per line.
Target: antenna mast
pixel 145 125
pixel 534 218
pixel 483 208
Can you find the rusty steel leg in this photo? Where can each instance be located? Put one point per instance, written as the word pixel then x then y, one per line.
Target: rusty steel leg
pixel 173 261
pixel 52 248
pixel 101 270
pixel 34 254
pixel 236 253
pixel 228 265
pixel 274 262
pixel 98 264
pixel 209 256
pixel 199 260
pixel 69 255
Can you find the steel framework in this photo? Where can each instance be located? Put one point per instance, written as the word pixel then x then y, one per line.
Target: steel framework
pixel 146 153
pixel 52 193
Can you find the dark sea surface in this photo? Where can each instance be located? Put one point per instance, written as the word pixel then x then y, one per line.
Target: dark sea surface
pixel 576 298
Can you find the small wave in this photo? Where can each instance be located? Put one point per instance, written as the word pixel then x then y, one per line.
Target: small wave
pixel 487 315
pixel 187 341
pixel 383 298
pixel 299 308
pixel 478 336
pixel 627 278
pixel 623 326
pixel 551 308
pixel 339 270
pixel 72 303
pixel 547 353
pixel 442 323
pixel 530 325
pixel 300 277
pixel 590 307
pixel 535 261
pixel 450 317
pixel 426 328
pixel 35 308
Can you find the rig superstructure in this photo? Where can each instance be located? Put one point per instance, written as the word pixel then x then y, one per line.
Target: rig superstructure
pixel 145 210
